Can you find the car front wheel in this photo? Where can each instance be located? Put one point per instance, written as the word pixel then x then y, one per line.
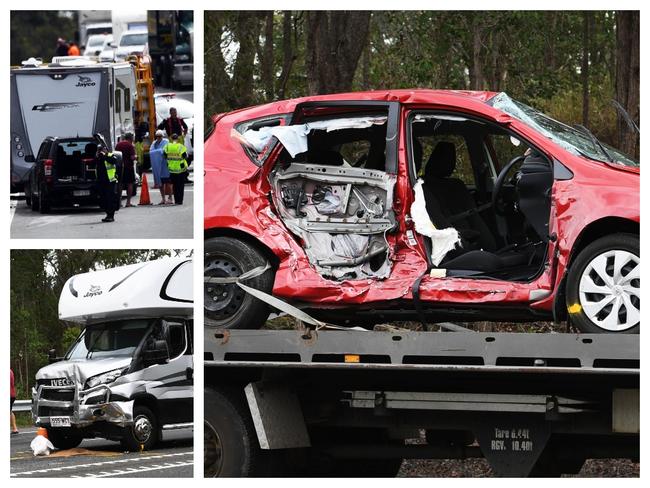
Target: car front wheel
pixel 603 287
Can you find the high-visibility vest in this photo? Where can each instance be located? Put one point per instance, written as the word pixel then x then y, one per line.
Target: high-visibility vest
pixel 175 161
pixel 110 167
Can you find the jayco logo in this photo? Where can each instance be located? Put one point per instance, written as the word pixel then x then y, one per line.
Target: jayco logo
pixel 85 81
pixel 93 292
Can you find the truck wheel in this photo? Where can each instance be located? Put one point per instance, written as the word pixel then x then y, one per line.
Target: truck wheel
pixel 143 432
pixel 64 438
pixel 230 447
pixel 227 305
pixel 34 200
pixel 604 284
pixel 44 200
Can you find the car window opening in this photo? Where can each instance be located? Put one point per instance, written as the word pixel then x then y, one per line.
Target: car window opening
pixel 482 198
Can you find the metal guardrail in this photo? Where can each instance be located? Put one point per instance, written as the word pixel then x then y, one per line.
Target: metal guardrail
pixel 22 406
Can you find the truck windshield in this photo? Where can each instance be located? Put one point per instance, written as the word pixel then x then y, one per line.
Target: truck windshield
pixel 109 339
pixel 134 39
pixel 571 139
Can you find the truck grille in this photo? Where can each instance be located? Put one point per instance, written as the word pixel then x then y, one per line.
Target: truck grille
pixel 60 394
pixel 54 411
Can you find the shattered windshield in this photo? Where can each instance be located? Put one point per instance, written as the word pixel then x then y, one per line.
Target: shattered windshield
pixel 571 139
pixel 109 339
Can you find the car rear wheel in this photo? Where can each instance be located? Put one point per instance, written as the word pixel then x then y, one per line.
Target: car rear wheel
pixel 44 200
pixel 226 304
pixel 64 437
pixel 603 288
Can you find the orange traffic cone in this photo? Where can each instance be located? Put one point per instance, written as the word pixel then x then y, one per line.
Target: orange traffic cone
pixel 144 193
pixel 41 431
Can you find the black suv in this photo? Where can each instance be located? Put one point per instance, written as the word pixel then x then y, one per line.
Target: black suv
pixel 64 174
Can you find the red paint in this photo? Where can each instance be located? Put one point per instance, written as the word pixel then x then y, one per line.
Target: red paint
pixel 236 199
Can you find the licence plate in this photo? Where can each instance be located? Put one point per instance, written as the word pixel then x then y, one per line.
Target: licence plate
pixel 60 421
pixel 81 193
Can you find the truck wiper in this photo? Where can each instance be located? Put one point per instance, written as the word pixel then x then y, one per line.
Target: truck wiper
pixel 92 344
pixel 596 142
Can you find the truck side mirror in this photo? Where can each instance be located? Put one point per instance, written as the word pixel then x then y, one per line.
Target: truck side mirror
pixel 51 356
pixel 157 354
pixel 30 158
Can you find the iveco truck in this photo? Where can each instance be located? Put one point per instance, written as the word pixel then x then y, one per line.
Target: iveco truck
pixel 129 375
pixel 69 97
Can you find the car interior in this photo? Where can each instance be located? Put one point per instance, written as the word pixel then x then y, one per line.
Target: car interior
pixel 75 160
pixel 491 186
pixel 477 177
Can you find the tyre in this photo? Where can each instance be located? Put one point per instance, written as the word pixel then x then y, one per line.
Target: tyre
pixel 143 434
pixel 603 286
pixel 34 203
pixel 227 305
pixel 230 443
pixel 44 200
pixel 64 437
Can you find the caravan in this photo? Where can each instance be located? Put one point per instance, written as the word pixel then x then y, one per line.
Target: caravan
pixel 129 374
pixel 70 97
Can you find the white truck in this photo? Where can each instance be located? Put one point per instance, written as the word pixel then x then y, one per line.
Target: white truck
pixel 69 97
pixel 129 374
pixel 91 22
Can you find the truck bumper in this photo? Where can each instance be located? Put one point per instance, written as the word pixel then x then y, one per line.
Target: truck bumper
pixel 83 409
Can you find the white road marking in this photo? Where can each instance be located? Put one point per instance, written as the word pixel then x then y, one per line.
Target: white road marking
pixel 103 463
pixel 141 469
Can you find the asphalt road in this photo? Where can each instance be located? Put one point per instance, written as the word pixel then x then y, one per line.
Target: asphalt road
pixel 151 221
pixel 172 458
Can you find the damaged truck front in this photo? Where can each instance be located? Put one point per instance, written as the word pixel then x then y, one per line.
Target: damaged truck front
pixel 128 376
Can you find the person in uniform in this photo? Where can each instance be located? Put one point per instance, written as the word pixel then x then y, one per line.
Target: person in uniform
pixel 107 169
pixel 175 154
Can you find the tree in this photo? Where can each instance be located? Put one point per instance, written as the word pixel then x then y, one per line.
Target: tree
pixel 627 76
pixel 334 43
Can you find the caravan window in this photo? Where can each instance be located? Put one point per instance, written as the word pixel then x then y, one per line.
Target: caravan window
pixel 118 100
pixel 127 99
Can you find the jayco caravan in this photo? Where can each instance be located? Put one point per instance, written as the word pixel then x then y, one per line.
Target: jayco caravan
pixel 70 97
pixel 129 374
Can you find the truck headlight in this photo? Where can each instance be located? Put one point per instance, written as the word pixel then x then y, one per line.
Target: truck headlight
pixel 104 378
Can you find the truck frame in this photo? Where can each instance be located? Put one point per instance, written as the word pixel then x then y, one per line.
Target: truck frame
pixel 342 403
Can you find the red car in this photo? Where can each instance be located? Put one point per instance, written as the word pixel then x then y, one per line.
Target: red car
pixel 423 205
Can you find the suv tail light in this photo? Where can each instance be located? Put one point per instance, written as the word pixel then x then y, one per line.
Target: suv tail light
pixel 47 169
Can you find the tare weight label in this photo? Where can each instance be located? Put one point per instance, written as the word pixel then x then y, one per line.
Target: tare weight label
pixel 511 439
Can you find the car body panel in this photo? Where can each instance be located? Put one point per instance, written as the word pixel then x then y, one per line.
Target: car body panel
pixel 236 199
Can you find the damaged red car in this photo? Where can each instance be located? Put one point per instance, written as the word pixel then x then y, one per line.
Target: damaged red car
pixel 427 205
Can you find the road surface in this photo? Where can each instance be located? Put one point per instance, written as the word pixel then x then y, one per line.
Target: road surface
pixel 152 221
pixel 173 458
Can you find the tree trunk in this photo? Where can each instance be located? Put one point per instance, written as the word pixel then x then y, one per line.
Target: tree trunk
pixel 587 19
pixel 476 79
pixel 627 76
pixel 266 58
pixel 246 30
pixel 334 43
pixel 288 55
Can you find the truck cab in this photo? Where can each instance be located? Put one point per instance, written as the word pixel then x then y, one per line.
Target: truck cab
pixel 129 375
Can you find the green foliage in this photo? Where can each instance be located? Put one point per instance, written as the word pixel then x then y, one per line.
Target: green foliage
pixel 34 33
pixel 535 56
pixel 37 277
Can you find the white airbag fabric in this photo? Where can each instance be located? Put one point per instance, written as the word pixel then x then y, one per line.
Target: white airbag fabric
pixel 442 240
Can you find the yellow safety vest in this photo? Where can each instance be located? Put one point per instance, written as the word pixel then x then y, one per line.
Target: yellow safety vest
pixel 110 168
pixel 175 161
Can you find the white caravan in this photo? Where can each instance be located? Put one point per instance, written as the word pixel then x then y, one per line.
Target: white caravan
pixel 71 97
pixel 129 374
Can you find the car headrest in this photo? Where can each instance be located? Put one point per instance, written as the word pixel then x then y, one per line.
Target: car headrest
pixel 442 162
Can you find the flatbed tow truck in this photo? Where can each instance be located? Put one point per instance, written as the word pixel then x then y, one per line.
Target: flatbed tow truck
pixel 344 402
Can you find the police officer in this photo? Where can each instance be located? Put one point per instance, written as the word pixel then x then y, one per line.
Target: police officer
pixel 107 181
pixel 175 154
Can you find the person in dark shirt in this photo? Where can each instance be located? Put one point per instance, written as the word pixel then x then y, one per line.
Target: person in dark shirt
pixel 141 130
pixel 174 125
pixel 107 170
pixel 61 47
pixel 126 147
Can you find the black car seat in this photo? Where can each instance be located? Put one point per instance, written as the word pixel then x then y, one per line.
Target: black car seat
pixel 468 257
pixel 454 197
